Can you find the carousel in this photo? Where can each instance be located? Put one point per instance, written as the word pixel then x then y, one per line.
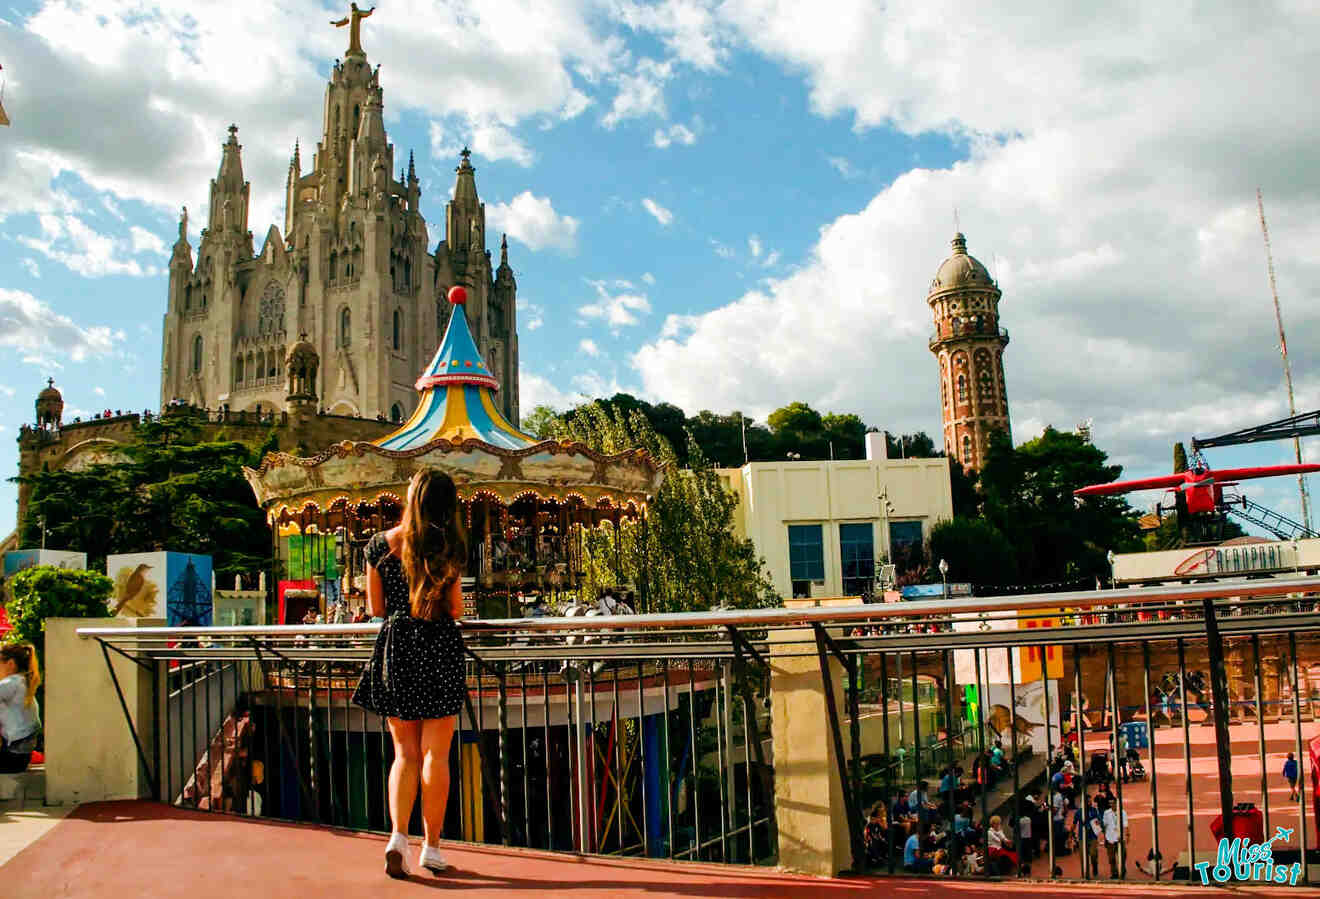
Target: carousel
pixel 526 500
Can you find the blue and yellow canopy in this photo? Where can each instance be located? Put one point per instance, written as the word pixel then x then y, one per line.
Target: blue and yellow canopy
pixel 456 399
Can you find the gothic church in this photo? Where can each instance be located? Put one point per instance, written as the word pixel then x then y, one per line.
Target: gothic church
pixel 351 272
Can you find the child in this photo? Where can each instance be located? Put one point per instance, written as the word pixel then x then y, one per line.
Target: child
pixel 20 718
pixel 1290 775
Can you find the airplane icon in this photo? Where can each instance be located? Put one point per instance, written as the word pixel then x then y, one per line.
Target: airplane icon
pixel 1284 834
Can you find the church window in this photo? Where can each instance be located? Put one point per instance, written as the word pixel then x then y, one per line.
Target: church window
pixel 407 274
pixel 396 413
pixel 187 298
pixel 334 266
pixel 197 354
pixel 270 313
pixel 398 330
pixel 985 386
pixel 357 113
pixel 272 361
pixel 260 372
pixel 967 450
pixel 440 316
pixel 962 389
pixel 345 327
pixel 251 369
pixel 944 392
pixel 238 371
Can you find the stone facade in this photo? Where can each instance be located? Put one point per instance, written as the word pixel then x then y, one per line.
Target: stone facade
pixel 969 345
pixel 351 272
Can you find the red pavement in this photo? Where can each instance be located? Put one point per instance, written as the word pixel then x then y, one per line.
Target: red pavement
pixel 121 849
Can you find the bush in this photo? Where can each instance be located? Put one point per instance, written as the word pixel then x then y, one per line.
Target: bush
pixel 42 592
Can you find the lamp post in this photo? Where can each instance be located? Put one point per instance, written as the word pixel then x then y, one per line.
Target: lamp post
pixel 944 577
pixel 886 510
pixel 1110 557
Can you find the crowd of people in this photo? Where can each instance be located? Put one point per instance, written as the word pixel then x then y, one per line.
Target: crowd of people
pixel 946 834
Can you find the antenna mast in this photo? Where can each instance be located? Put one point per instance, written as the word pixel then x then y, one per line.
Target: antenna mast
pixel 1283 351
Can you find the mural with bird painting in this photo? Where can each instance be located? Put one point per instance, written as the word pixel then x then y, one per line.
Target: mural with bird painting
pixel 137 579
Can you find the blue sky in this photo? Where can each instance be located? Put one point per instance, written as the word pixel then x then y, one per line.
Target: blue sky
pixel 727 205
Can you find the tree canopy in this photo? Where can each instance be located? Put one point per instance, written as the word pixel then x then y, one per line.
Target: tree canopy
pixel 174 491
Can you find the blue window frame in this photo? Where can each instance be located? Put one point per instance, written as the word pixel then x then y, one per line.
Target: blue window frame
pixel 857 553
pixel 806 552
pixel 904 542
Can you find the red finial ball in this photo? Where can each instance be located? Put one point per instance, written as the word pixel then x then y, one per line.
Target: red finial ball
pixel 457 295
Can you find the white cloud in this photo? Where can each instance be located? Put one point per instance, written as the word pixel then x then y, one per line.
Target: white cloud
pixel 689 29
pixel 158 87
pixel 754 246
pixel 721 250
pixel 7 391
pixel 146 242
pixel 533 221
pixel 617 310
pixel 772 259
pixel 72 243
pixel 588 346
pixel 32 268
pixel 1133 278
pixel 536 390
pixel 490 140
pixel 99 391
pixel 674 134
pixel 46 338
pixel 641 93
pixel 648 278
pixel 532 315
pixel 661 214
pixel 841 165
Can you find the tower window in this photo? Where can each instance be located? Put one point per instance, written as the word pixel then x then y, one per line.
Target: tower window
pixel 962 389
pixel 398 330
pixel 345 327
pixel 967 450
pixel 197 354
pixel 238 371
pixel 396 413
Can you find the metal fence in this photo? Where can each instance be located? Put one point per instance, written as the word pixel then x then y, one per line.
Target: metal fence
pixel 650 735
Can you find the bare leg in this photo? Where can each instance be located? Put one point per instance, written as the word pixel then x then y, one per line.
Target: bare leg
pixel 405 771
pixel 437 734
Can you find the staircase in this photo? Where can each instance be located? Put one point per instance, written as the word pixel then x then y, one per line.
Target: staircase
pixel 1280 526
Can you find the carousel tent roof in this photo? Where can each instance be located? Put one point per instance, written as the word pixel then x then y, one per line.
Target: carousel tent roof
pixel 456 401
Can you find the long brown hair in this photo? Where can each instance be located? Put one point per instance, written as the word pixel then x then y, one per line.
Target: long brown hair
pixel 434 551
pixel 24 656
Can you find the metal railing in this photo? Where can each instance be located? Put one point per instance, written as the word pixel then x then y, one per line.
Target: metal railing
pixel 649 735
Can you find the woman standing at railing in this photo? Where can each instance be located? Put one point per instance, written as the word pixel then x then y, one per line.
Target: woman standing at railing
pixel 415 679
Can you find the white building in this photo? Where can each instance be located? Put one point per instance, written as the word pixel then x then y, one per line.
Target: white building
pixel 823 527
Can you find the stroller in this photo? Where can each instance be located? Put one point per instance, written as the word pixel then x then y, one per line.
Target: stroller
pixel 1135 769
pixel 1099 772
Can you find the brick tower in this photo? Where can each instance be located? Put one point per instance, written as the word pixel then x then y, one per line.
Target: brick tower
pixel 969 345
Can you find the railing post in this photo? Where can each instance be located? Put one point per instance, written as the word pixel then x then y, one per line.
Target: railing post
pixel 1219 695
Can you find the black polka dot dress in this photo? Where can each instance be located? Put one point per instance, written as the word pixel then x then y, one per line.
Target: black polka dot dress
pixel 416 668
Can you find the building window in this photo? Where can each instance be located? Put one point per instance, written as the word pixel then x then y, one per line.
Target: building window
pixel 398 330
pixel 197 354
pixel 967 450
pixel 905 545
pixel 857 553
pixel 238 371
pixel 273 361
pixel 270 312
pixel 962 389
pixel 806 557
pixel 345 327
pixel 396 413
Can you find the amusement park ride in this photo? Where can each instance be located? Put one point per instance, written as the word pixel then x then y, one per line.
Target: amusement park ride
pixel 1202 490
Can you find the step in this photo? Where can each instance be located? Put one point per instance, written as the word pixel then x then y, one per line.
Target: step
pixel 27 788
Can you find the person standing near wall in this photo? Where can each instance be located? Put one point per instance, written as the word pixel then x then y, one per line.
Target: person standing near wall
pixel 20 717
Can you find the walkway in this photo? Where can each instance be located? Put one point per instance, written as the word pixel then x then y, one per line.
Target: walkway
pixel 121 849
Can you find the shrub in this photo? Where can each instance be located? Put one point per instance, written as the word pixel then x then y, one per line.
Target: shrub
pixel 45 591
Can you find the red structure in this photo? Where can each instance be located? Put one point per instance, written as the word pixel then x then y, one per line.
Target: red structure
pixel 1202 488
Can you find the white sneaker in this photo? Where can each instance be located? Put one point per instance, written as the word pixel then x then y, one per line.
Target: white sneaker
pixel 396 857
pixel 431 859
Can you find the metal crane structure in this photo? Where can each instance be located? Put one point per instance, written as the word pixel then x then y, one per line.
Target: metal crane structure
pixel 1283 351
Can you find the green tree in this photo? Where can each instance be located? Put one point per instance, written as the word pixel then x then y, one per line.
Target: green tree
pixel 687 556
pixel 174 491
pixel 540 422
pixel 911 446
pixel 1027 495
pixel 44 591
pixel 1179 458
pixel 976 551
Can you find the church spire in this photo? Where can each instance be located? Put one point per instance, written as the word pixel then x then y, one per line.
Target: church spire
pixel 465 186
pixel 412 170
pixel 504 251
pixel 231 162
pixel 229 192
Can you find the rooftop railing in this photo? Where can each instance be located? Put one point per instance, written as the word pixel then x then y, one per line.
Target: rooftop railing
pixel 666 736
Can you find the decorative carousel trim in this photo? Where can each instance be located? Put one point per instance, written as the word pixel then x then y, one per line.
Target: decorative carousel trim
pixel 465 377
pixel 291 511
pixel 346 448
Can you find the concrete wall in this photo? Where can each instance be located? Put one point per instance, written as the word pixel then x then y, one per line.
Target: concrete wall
pixel 1281 556
pixel 90 754
pixel 773 495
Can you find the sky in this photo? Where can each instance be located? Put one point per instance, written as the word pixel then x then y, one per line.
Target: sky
pixel 724 205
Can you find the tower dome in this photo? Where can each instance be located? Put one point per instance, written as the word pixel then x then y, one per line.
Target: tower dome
pixel 50 406
pixel 301 364
pixel 960 270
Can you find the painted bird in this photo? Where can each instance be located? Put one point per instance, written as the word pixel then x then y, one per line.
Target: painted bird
pixel 1000 717
pixel 133 585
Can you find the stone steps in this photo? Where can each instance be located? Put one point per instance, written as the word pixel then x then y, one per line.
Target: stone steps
pixel 26 789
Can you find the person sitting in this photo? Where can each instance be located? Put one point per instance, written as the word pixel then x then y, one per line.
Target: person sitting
pixel 919 802
pixel 1002 859
pixel 940 866
pixel 948 785
pixel 997 760
pixel 914 861
pixel 875 834
pixel 20 716
pixel 971 859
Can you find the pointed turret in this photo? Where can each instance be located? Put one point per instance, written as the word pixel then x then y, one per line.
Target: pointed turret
pixel 372 127
pixel 414 186
pixel 291 191
pixel 229 192
pixel 465 187
pixel 465 215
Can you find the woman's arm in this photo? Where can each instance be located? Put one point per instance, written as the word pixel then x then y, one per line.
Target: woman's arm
pixel 456 599
pixel 375 593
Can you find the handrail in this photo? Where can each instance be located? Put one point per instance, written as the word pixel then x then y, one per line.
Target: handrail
pixel 753 618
